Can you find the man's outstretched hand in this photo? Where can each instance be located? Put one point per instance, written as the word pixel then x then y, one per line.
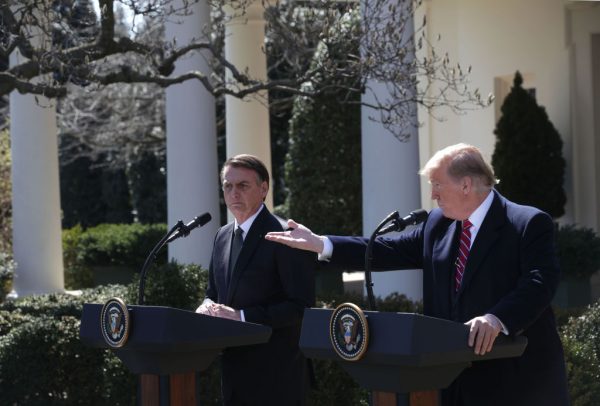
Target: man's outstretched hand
pixel 298 237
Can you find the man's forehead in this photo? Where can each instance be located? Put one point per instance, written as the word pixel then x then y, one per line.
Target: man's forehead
pixel 436 173
pixel 233 174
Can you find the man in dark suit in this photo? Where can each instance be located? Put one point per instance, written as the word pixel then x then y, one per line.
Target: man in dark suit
pixel 258 281
pixel 487 262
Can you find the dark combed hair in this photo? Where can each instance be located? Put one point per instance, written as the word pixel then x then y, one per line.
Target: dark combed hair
pixel 249 162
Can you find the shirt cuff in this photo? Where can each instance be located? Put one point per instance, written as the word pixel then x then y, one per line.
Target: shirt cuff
pixel 504 330
pixel 325 255
pixel 242 317
pixel 207 301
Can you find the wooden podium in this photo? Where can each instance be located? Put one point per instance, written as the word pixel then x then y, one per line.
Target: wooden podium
pixel 173 342
pixel 409 356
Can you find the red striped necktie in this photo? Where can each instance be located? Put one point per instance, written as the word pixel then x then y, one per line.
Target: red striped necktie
pixel 463 253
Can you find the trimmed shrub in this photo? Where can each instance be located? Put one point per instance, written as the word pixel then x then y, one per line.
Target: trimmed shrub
pixel 528 156
pixel 581 341
pixel 108 245
pixel 5 192
pixel 43 362
pixel 323 164
pixel 7 272
pixel 51 365
pixel 322 167
pixel 120 244
pixel 173 285
pixel 578 251
pixel 77 274
pixel 148 187
pixel 91 191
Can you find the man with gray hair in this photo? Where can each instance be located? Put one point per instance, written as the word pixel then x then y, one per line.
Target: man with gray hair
pixel 487 262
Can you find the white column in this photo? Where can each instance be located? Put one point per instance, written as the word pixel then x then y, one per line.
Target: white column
pixel 247 120
pixel 192 172
pixel 37 241
pixel 390 182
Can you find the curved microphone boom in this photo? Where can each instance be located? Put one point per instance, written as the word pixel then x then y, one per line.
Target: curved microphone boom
pixel 179 230
pixel 397 224
pixel 185 229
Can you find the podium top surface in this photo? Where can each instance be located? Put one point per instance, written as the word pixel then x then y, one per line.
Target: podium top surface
pixel 405 339
pixel 166 329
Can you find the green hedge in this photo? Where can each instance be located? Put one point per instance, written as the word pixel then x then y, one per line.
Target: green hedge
pixel 7 272
pixel 43 362
pixel 108 245
pixel 581 341
pixel 578 251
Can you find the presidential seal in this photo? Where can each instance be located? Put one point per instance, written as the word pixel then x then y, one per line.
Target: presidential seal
pixel 115 322
pixel 349 332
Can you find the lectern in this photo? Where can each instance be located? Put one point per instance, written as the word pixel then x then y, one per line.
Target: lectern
pixel 168 341
pixel 406 352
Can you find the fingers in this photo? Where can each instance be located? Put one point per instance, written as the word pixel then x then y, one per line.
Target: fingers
pixel 225 312
pixel 282 238
pixel 203 309
pixel 292 224
pixel 482 334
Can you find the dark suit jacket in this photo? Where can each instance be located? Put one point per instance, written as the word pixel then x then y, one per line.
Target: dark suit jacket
pixel 272 284
pixel 512 272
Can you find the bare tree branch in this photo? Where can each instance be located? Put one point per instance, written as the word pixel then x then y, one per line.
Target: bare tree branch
pixel 59 58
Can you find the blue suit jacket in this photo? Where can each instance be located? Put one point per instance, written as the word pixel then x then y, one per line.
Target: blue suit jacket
pixel 273 284
pixel 512 272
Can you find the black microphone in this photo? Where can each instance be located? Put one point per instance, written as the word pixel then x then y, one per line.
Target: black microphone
pixel 414 217
pixel 185 229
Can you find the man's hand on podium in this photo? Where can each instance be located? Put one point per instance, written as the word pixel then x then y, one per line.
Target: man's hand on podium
pixel 219 310
pixel 483 333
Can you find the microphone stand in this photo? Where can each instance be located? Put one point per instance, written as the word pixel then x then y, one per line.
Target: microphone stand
pixel 398 224
pixel 394 216
pixel 152 256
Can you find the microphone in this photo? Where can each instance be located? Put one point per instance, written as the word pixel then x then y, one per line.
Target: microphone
pixel 185 229
pixel 414 217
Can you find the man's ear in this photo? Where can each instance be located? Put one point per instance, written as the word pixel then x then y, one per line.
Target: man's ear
pixel 466 184
pixel 264 188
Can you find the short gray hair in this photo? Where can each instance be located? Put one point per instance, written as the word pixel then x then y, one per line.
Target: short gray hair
pixel 463 160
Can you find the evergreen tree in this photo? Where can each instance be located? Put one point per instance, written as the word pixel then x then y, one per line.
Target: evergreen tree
pixel 323 164
pixel 148 188
pixel 5 194
pixel 91 192
pixel 528 153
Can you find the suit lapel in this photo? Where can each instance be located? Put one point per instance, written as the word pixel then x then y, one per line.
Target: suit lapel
pixel 484 240
pixel 251 242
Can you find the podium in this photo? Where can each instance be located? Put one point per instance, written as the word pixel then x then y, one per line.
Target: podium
pixel 168 341
pixel 406 353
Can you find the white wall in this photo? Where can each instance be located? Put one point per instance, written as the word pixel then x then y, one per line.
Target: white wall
pixel 584 20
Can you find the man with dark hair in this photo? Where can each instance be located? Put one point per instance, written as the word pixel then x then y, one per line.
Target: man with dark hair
pixel 487 262
pixel 258 281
